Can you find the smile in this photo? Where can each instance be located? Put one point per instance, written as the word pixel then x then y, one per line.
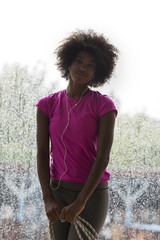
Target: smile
pixel 81 74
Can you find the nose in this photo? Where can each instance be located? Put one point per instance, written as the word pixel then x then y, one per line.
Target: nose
pixel 83 67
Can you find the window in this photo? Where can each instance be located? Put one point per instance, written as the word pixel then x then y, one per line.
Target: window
pixel 134 186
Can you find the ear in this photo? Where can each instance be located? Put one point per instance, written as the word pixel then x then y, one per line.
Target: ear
pixel 90 83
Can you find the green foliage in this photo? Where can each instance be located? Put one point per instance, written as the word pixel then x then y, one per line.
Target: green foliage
pixel 136 143
pixel 20 90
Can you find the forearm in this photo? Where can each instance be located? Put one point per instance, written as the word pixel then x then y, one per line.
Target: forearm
pixel 104 144
pixel 44 175
pixel 94 177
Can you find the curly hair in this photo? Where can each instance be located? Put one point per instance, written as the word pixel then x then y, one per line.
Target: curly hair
pixel 105 54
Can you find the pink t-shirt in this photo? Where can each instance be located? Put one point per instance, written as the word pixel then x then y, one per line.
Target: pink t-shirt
pixel 80 138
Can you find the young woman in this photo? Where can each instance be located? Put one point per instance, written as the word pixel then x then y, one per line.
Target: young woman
pixel 78 123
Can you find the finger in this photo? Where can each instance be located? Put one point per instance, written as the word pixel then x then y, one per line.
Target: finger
pixel 73 219
pixel 68 217
pixel 52 216
pixel 56 213
pixel 59 210
pixel 62 216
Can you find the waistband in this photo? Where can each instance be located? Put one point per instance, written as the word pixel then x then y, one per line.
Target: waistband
pixel 74 186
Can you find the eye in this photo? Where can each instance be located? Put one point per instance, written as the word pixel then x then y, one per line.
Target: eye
pixel 91 66
pixel 77 60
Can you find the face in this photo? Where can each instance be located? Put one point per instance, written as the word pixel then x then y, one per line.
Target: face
pixel 83 68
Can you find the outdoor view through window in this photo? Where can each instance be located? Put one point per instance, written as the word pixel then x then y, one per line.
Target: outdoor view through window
pixel 28 73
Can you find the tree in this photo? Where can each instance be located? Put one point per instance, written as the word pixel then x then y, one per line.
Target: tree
pixel 137 143
pixel 19 93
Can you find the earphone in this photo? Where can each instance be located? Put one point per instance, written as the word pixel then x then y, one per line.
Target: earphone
pixel 65 154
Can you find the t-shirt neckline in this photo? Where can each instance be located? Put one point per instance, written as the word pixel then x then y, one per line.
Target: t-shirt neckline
pixel 75 99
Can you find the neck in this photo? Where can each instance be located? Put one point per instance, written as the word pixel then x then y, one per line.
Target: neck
pixel 76 91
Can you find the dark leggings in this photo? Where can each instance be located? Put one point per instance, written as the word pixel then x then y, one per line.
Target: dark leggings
pixel 95 211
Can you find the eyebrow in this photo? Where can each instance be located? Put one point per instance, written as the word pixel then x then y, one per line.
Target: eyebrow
pixel 83 58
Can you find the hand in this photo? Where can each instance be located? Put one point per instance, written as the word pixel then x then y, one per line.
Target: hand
pixel 53 210
pixel 70 212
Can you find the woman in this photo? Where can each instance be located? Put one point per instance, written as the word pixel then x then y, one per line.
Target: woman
pixel 79 123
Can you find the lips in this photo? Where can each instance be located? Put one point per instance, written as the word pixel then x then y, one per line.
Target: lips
pixel 81 74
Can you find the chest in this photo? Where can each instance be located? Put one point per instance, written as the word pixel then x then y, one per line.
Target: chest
pixel 81 121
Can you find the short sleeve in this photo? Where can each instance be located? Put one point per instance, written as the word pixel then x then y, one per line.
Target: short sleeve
pixel 44 106
pixel 106 105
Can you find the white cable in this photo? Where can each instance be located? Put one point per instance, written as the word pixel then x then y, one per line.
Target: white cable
pixel 65 154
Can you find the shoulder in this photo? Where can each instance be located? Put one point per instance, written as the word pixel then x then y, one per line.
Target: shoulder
pixel 52 97
pixel 101 97
pixel 104 103
pixel 47 103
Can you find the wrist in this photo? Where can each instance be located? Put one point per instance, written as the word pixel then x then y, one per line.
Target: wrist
pixel 81 200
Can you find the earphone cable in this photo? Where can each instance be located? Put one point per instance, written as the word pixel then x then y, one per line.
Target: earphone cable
pixel 65 148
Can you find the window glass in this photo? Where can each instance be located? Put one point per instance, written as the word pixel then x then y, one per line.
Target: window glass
pixel 134 185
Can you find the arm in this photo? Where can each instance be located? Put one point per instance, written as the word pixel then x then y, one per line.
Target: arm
pixel 105 139
pixel 51 207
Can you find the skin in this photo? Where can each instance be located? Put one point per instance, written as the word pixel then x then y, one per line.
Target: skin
pixel 82 71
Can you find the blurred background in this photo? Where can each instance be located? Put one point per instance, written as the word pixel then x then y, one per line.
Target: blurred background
pixel 30 33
